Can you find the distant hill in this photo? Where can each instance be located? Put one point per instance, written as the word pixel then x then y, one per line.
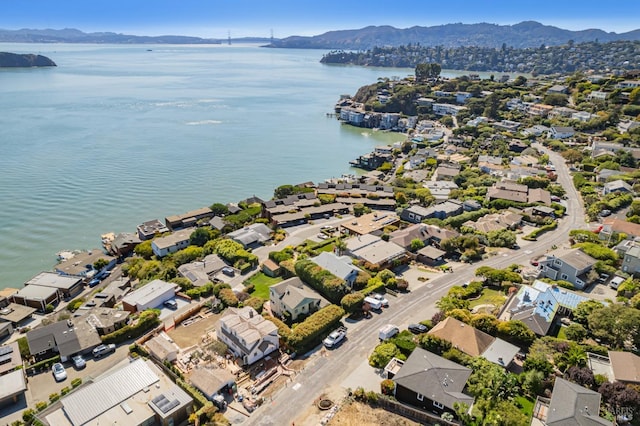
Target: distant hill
pixel 524 34
pixel 14 60
pixel 70 35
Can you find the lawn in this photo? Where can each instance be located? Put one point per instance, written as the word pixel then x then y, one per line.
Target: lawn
pixel 489 297
pixel 261 284
pixel 525 404
pixel 561 333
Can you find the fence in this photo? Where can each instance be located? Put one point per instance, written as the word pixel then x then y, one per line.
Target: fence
pixel 413 413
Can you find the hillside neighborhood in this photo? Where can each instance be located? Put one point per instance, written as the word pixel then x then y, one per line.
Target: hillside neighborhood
pixel 484 271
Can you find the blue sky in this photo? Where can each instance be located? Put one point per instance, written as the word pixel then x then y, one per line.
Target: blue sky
pixel 215 18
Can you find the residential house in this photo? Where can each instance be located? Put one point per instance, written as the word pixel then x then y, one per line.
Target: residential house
pixel 202 272
pixel 16 315
pixel 5 296
pixel 624 126
pixel 68 287
pixel 477 121
pixel 370 223
pixel 189 219
pixel 603 175
pixel 617 186
pixel 625 367
pixel 151 295
pixel 82 264
pixel 377 252
pixel 12 386
pixel 123 244
pixel 557 88
pixel 249 336
pixel 212 381
pixel 430 382
pixel 64 338
pixel 562 112
pixel 511 191
pixel 340 266
pixel 37 297
pixel 430 255
pixel 6 329
pixel 571 265
pixel 292 298
pixel 440 189
pixel 599 95
pixel 508 125
pixel 150 229
pixel 447 109
pixel 611 225
pixel 496 221
pixel 137 394
pixel 446 171
pixel 105 320
pixel 177 240
pixel 10 358
pixel 539 110
pixel 536 130
pixel 371 161
pixel 428 234
pixel 570 404
pixel 474 342
pixel 628 84
pixel 599 148
pixel 217 223
pixel 583 116
pixel 559 132
pixel 461 97
pixel 252 235
pixel 631 260
pixel 416 214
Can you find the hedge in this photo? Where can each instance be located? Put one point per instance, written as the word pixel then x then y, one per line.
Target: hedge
pixel 199 399
pixel 282 255
pixel 327 284
pixel 309 332
pixel 352 301
pixel 255 302
pixel 146 321
pixel 457 221
pixel 533 236
pixel 45 363
pixel 283 329
pixel 228 297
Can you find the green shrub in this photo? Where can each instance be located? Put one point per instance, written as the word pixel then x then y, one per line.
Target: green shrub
pixel 309 332
pixel 533 236
pixel 65 390
pixel 76 382
pixel 73 305
pixel 41 405
pixel 54 397
pixel 46 363
pixel 147 320
pixel 28 415
pixel 282 255
pixel 352 302
pixel 228 297
pixel 387 387
pixel 283 329
pixel 383 353
pixel 199 399
pixel 255 302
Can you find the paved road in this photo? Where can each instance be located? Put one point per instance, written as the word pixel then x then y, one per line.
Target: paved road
pixel 328 372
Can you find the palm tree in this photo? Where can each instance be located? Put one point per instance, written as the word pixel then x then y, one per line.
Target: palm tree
pixel 341 246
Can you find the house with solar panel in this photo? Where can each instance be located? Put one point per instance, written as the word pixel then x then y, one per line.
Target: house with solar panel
pixel 136 394
pixel 539 306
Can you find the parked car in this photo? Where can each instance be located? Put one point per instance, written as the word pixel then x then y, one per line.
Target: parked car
pixel 79 362
pixel 336 337
pixel 101 350
pixel 322 236
pixel 605 213
pixel 228 271
pixel 94 282
pixel 59 372
pixel 171 304
pixel 417 328
pixel 374 303
pixel 381 299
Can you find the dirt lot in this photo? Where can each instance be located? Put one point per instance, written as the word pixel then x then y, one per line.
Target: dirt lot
pixel 186 336
pixel 358 414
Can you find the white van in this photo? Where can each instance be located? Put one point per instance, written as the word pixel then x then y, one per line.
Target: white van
pixel 388 331
pixel 375 304
pixel 615 282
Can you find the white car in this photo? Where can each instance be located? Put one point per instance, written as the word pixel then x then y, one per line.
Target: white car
pixel 380 298
pixel 58 372
pixel 79 362
pixel 322 236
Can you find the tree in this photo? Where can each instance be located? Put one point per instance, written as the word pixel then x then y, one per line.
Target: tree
pixel 532 382
pixel 618 395
pixel 416 244
pixel 617 324
pixel 426 71
pixel 200 236
pixel 501 238
pixel 382 354
pixel 425 196
pixel 144 249
pixel 556 99
pixel 575 332
pixel 434 344
pixel 219 209
pixel 100 263
pixel 584 309
pixel 359 209
pixel 506 413
pixel 581 375
pixel 572 156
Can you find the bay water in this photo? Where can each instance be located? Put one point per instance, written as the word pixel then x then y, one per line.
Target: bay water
pixel 120 134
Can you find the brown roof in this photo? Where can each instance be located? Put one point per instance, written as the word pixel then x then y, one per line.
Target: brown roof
pixel 625 366
pixel 623 226
pixel 462 336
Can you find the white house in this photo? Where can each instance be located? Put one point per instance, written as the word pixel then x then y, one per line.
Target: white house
pixel 151 295
pixel 249 336
pixel 447 109
pixel 557 132
pixel 171 243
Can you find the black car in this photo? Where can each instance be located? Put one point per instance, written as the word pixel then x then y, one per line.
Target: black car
pixel 417 328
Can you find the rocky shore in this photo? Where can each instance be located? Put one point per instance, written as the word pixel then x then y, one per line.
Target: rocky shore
pixel 15 60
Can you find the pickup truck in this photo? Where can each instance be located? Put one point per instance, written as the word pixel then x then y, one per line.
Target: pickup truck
pixel 336 337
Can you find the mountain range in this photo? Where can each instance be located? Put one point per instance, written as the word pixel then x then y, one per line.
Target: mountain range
pixel 521 35
pixel 71 35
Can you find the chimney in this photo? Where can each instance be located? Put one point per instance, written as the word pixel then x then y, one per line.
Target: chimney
pixel 251 313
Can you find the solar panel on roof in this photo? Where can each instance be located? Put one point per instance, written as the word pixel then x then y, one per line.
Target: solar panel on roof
pixel 164 404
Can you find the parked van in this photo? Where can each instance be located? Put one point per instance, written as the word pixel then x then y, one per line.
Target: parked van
pixel 388 331
pixel 615 282
pixel 373 302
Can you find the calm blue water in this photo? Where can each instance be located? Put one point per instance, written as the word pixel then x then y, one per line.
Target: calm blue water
pixel 117 135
